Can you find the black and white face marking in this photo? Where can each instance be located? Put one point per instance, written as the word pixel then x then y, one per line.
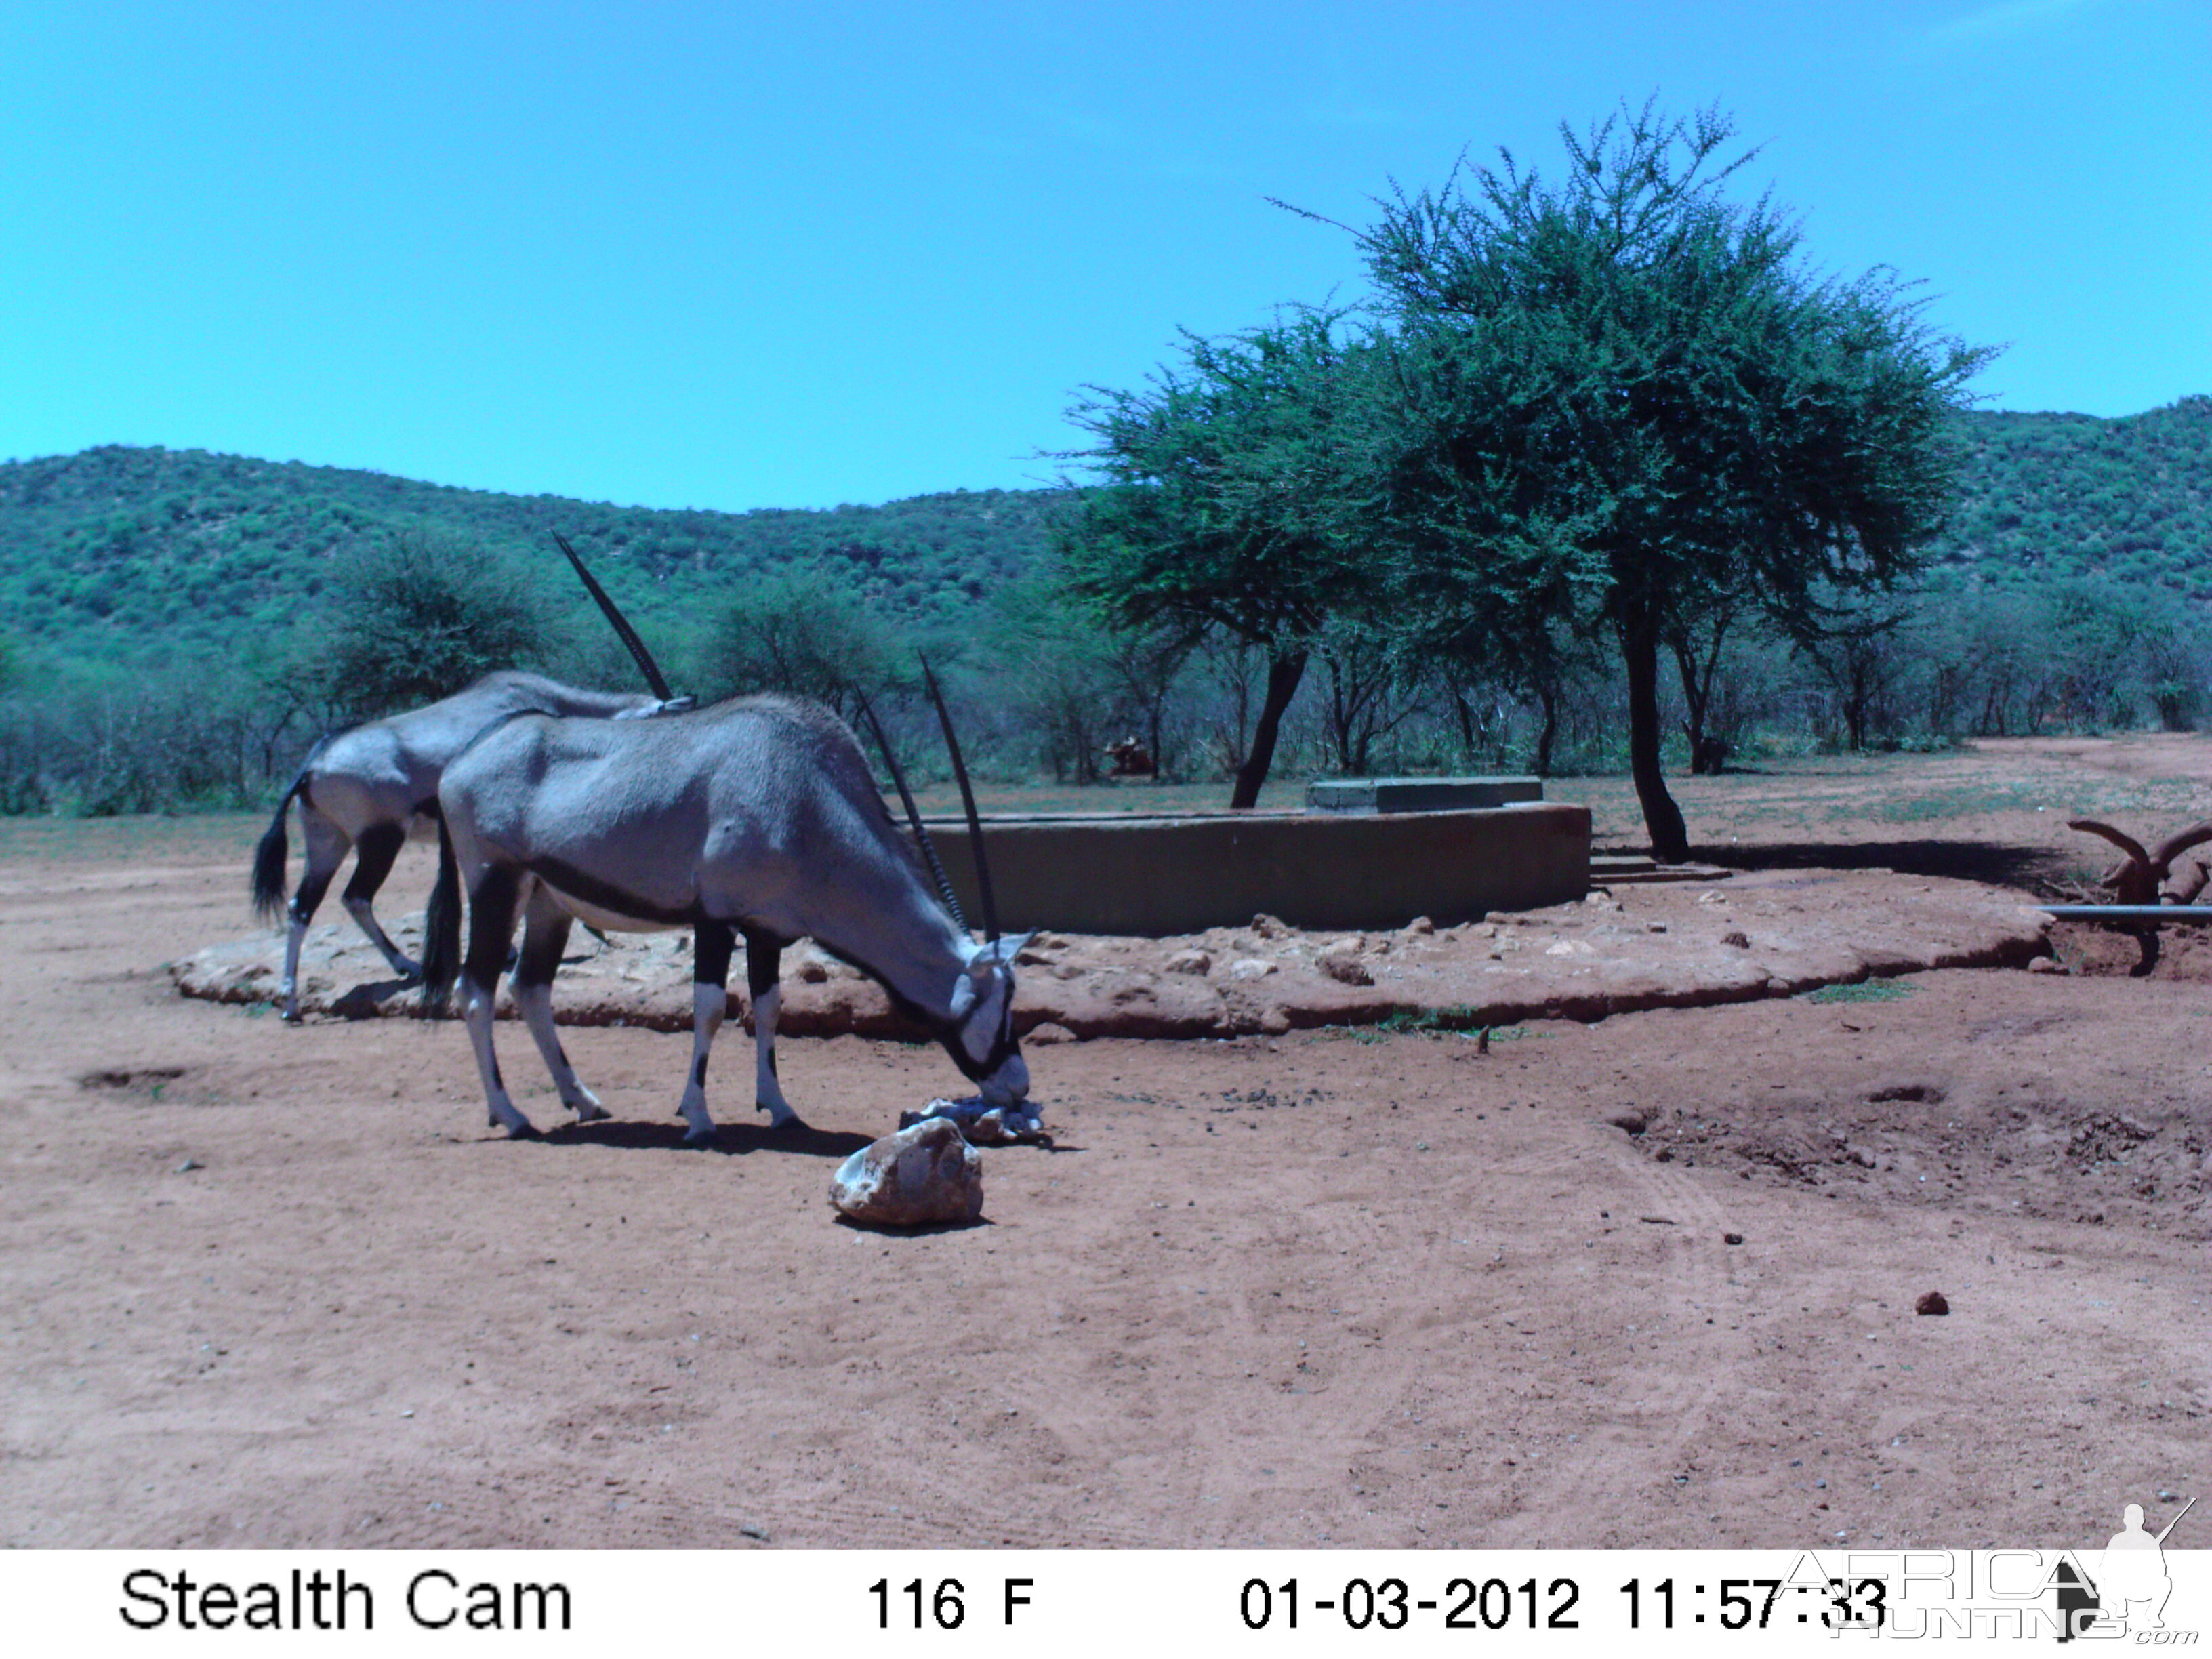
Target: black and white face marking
pixel 983 1044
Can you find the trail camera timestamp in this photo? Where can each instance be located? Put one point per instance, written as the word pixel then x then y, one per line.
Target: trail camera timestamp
pixel 1464 1603
pixel 1757 1603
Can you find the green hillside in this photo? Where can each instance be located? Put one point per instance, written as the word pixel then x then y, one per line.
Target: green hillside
pixel 2048 497
pixel 154 556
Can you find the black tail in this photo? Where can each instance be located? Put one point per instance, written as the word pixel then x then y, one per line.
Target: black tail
pixel 442 927
pixel 269 859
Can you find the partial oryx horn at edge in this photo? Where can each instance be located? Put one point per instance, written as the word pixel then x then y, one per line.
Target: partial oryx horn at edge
pixel 629 635
pixel 912 812
pixel 968 800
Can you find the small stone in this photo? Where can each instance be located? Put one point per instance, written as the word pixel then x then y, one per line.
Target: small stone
pixel 1711 898
pixel 1190 962
pixel 924 1174
pixel 1250 967
pixel 1343 966
pixel 1737 939
pixel 1932 1303
pixel 189 1165
pixel 1276 1020
pixel 1420 925
pixel 811 972
pixel 1631 1119
pixel 1048 1033
pixel 1731 1238
pixel 2046 965
pixel 1267 926
pixel 756 1534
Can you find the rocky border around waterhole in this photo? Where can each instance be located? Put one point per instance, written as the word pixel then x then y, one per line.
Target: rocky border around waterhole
pixel 1661 945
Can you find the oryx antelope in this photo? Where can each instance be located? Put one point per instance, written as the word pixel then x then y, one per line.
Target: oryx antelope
pixel 756 817
pixel 370 788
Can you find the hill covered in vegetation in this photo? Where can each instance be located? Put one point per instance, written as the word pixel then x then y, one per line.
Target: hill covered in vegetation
pixel 159 556
pixel 2045 496
pixel 130 555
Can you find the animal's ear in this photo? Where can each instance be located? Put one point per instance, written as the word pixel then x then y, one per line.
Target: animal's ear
pixel 1013 945
pixel 964 992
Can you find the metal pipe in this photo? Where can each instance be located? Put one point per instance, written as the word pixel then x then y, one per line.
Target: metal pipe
pixel 2128 912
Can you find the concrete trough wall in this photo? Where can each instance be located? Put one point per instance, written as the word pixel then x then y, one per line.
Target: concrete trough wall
pixel 1159 876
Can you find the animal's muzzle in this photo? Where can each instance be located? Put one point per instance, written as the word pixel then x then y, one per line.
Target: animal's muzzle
pixel 1006 1086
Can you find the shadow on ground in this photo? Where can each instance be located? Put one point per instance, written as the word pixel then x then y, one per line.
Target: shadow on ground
pixel 731 1139
pixel 2030 869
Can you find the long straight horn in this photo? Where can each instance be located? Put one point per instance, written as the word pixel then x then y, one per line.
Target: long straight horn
pixel 967 801
pixel 912 812
pixel 629 635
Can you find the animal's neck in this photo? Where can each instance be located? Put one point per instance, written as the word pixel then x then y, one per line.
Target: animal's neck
pixel 914 952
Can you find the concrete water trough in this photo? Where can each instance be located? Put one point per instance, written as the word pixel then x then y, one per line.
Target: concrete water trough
pixel 1114 872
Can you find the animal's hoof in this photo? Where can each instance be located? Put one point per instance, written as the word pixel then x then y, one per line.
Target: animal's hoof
pixel 410 971
pixel 698 1139
pixel 523 1132
pixel 590 1113
pixel 292 1016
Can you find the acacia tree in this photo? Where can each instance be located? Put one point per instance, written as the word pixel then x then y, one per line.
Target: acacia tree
pixel 1624 395
pixel 805 632
pixel 1230 502
pixel 418 617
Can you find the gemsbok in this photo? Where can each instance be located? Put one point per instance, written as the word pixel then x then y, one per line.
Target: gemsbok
pixel 757 817
pixel 370 789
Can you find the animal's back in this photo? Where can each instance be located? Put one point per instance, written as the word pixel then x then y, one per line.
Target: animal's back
pixel 743 807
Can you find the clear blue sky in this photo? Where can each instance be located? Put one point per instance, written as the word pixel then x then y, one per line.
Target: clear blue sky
pixel 733 256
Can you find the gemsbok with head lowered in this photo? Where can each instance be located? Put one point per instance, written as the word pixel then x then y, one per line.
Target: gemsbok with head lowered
pixel 370 789
pixel 756 817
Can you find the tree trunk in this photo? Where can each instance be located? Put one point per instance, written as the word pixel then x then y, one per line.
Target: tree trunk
pixel 1639 650
pixel 1465 711
pixel 1284 673
pixel 1547 699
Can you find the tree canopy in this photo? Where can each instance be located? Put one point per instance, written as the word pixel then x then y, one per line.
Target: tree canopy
pixel 1623 398
pixel 1232 501
pixel 418 619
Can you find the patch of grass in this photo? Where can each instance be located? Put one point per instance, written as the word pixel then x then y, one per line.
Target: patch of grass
pixel 1870 990
pixel 1458 1020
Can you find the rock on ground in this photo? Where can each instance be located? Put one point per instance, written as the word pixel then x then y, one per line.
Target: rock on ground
pixel 925 1174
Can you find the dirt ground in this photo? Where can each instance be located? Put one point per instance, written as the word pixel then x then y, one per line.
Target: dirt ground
pixel 1343 1286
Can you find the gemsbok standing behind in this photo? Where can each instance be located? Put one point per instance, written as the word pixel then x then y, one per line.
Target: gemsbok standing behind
pixel 370 789
pixel 756 817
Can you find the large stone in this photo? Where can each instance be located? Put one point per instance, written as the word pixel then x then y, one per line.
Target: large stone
pixel 924 1174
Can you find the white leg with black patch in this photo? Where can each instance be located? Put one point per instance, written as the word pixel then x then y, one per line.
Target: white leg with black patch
pixel 535 1003
pixel 710 1004
pixel 476 1004
pixel 288 988
pixel 767 1089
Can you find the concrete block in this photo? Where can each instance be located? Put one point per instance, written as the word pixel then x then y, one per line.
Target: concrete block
pixel 1154 877
pixel 1419 794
